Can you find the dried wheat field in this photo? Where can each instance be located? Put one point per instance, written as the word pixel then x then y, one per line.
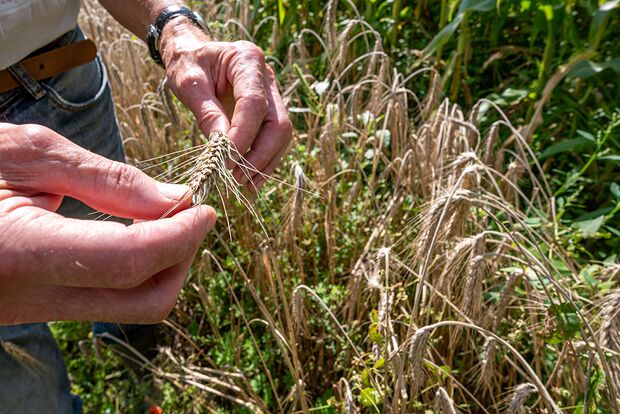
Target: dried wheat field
pixel 430 243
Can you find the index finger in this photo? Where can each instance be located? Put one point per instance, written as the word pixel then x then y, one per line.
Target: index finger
pixel 246 72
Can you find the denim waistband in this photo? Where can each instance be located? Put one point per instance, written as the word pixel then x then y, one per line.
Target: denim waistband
pixel 70 37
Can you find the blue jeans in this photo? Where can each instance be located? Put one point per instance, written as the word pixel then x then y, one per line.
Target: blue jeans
pixel 78 105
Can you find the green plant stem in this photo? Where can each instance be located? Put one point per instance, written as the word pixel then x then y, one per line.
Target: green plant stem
pixel 599 146
pixel 396 7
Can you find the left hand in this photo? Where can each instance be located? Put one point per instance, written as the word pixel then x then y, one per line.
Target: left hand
pixel 229 88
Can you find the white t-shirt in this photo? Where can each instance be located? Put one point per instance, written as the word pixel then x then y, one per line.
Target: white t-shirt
pixel 27 25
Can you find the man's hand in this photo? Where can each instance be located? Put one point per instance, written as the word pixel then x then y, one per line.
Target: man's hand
pixel 229 88
pixel 227 85
pixel 55 268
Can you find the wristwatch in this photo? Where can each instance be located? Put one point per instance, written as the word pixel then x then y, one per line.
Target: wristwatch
pixel 169 13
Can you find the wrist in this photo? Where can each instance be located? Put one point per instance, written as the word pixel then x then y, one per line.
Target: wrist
pixel 181 28
pixel 168 24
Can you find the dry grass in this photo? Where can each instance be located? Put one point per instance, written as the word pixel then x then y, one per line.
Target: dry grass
pixel 450 294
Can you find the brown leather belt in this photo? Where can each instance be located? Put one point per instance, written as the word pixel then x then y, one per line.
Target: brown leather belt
pixel 52 63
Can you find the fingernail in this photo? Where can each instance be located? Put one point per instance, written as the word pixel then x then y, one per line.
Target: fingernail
pixel 174 192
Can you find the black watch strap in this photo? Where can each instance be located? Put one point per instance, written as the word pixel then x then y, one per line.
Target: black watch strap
pixel 169 13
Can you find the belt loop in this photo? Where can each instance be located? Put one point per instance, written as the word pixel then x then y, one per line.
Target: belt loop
pixel 27 81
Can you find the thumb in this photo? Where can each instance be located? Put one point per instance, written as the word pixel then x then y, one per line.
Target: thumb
pixel 109 186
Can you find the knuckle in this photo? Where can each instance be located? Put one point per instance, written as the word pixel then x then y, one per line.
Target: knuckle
pixel 286 126
pixel 118 176
pixel 36 135
pixel 208 117
pixel 250 49
pixel 258 103
pixel 187 80
pixel 33 131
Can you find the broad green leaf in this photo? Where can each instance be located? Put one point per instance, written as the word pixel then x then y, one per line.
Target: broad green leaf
pixel 446 33
pixel 443 36
pixel 588 228
pixel 598 27
pixel 603 211
pixel 568 145
pixel 602 14
pixel 588 68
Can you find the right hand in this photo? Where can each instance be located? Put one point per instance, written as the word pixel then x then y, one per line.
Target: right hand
pixel 57 268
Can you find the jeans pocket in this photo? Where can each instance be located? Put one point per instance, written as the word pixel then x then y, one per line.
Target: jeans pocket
pixel 79 88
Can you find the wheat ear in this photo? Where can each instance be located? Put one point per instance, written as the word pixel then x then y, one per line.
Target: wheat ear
pixel 443 402
pixel 519 397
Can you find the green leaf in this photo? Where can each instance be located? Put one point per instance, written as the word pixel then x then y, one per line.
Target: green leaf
pixel 586 135
pixel 610 157
pixel 587 274
pixel 365 377
pixel 601 16
pixel 567 318
pixel 588 68
pixel 525 5
pixel 374 334
pixel 568 145
pixel 509 96
pixel 588 228
pixel 281 12
pixel 547 9
pixel 448 30
pixel 477 5
pixel 613 230
pixel 615 190
pixel 369 397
